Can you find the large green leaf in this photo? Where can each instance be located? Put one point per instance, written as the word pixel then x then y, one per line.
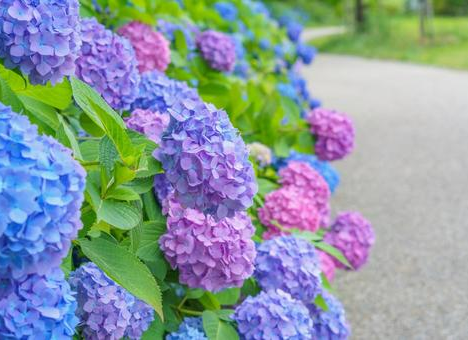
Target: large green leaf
pixel 121 215
pixel 58 96
pixel 125 269
pixel 333 252
pixel 148 248
pixel 217 329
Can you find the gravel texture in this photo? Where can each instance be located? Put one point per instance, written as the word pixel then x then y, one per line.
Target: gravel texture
pixel 408 175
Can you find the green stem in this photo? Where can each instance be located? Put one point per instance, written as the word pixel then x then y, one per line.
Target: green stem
pixel 89 163
pixel 187 311
pixel 181 304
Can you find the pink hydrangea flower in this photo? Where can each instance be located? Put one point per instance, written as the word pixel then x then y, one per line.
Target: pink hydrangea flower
pixel 208 254
pixel 302 176
pixel 327 265
pixel 151 124
pixel 290 209
pixel 152 49
pixel 353 235
pixel 334 132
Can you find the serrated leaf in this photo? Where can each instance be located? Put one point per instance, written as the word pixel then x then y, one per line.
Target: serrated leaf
pixel 125 269
pixel 217 329
pixel 107 154
pixel 329 249
pixel 121 215
pixel 151 231
pixel 122 193
pixel 141 185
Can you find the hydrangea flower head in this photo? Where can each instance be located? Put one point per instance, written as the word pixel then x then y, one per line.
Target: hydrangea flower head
pixel 334 131
pixel 40 37
pixel 208 254
pixel 159 93
pixel 330 324
pixel 106 310
pixel 227 10
pixel 306 53
pixel 190 328
pixel 329 173
pixel 218 50
pixel 294 30
pixel 35 306
pixel 206 160
pixel 162 188
pixel 151 124
pixel 273 315
pixel 353 235
pixel 327 265
pixel 302 176
pixel 151 48
pixel 289 208
pixel 41 193
pixel 290 264
pixel 261 153
pixel 188 30
pixel 107 63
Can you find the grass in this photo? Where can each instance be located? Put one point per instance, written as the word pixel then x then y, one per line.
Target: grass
pixel 398 38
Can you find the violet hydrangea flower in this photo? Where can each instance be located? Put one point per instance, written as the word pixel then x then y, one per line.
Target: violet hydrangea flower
pixel 206 160
pixel 107 62
pixel 302 176
pixel 190 328
pixel 151 124
pixel 261 153
pixel 159 93
pixel 290 264
pixel 40 37
pixel 41 193
pixel 289 208
pixel 208 254
pixel 331 176
pixel 151 48
pixel 218 49
pixel 37 307
pixel 353 235
pixel 327 265
pixel 273 315
pixel 106 310
pixel 162 188
pixel 330 324
pixel 334 131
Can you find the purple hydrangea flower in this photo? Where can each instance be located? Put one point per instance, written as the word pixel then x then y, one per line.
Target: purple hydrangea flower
pixel 162 188
pixel 190 328
pixel 290 264
pixel 206 160
pixel 329 173
pixel 261 153
pixel 151 124
pixel 37 307
pixel 151 48
pixel 218 49
pixel 305 178
pixel 41 192
pixel 353 235
pixel 106 310
pixel 334 131
pixel 273 315
pixel 291 209
pixel 107 62
pixel 41 37
pixel 159 93
pixel 330 324
pixel 210 255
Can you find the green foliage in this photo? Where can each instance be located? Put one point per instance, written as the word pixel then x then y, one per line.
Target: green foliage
pixel 216 328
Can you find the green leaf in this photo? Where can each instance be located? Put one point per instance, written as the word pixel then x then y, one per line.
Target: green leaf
pixel 265 186
pixel 209 301
pixel 151 231
pixel 123 194
pixel 155 331
pixel 121 215
pixel 107 154
pixel 195 293
pixel 152 209
pixel 329 249
pixel 141 185
pixel 66 265
pixel 307 235
pixel 41 111
pixel 217 329
pixel 58 96
pixel 66 136
pixel 320 302
pixel 125 269
pixel 8 97
pixel 106 119
pixel 228 296
pixel 90 150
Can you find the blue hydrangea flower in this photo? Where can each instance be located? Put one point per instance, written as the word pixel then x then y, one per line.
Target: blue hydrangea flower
pixel 37 307
pixel 188 30
pixel 287 90
pixel 294 31
pixel 257 7
pixel 264 44
pixel 306 53
pixel 189 329
pixel 332 177
pixel 40 37
pixel 314 103
pixel 291 264
pixel 330 324
pixel 107 62
pixel 162 187
pixel 41 191
pixel 273 315
pixel 206 160
pixel 159 93
pixel 227 10
pixel 106 310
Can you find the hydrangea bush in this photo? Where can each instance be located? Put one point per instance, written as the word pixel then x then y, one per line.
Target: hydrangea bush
pixel 167 187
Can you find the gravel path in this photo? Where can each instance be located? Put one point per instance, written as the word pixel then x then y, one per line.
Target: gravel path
pixel 409 176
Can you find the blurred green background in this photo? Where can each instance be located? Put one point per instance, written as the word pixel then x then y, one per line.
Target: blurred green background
pixel 421 31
